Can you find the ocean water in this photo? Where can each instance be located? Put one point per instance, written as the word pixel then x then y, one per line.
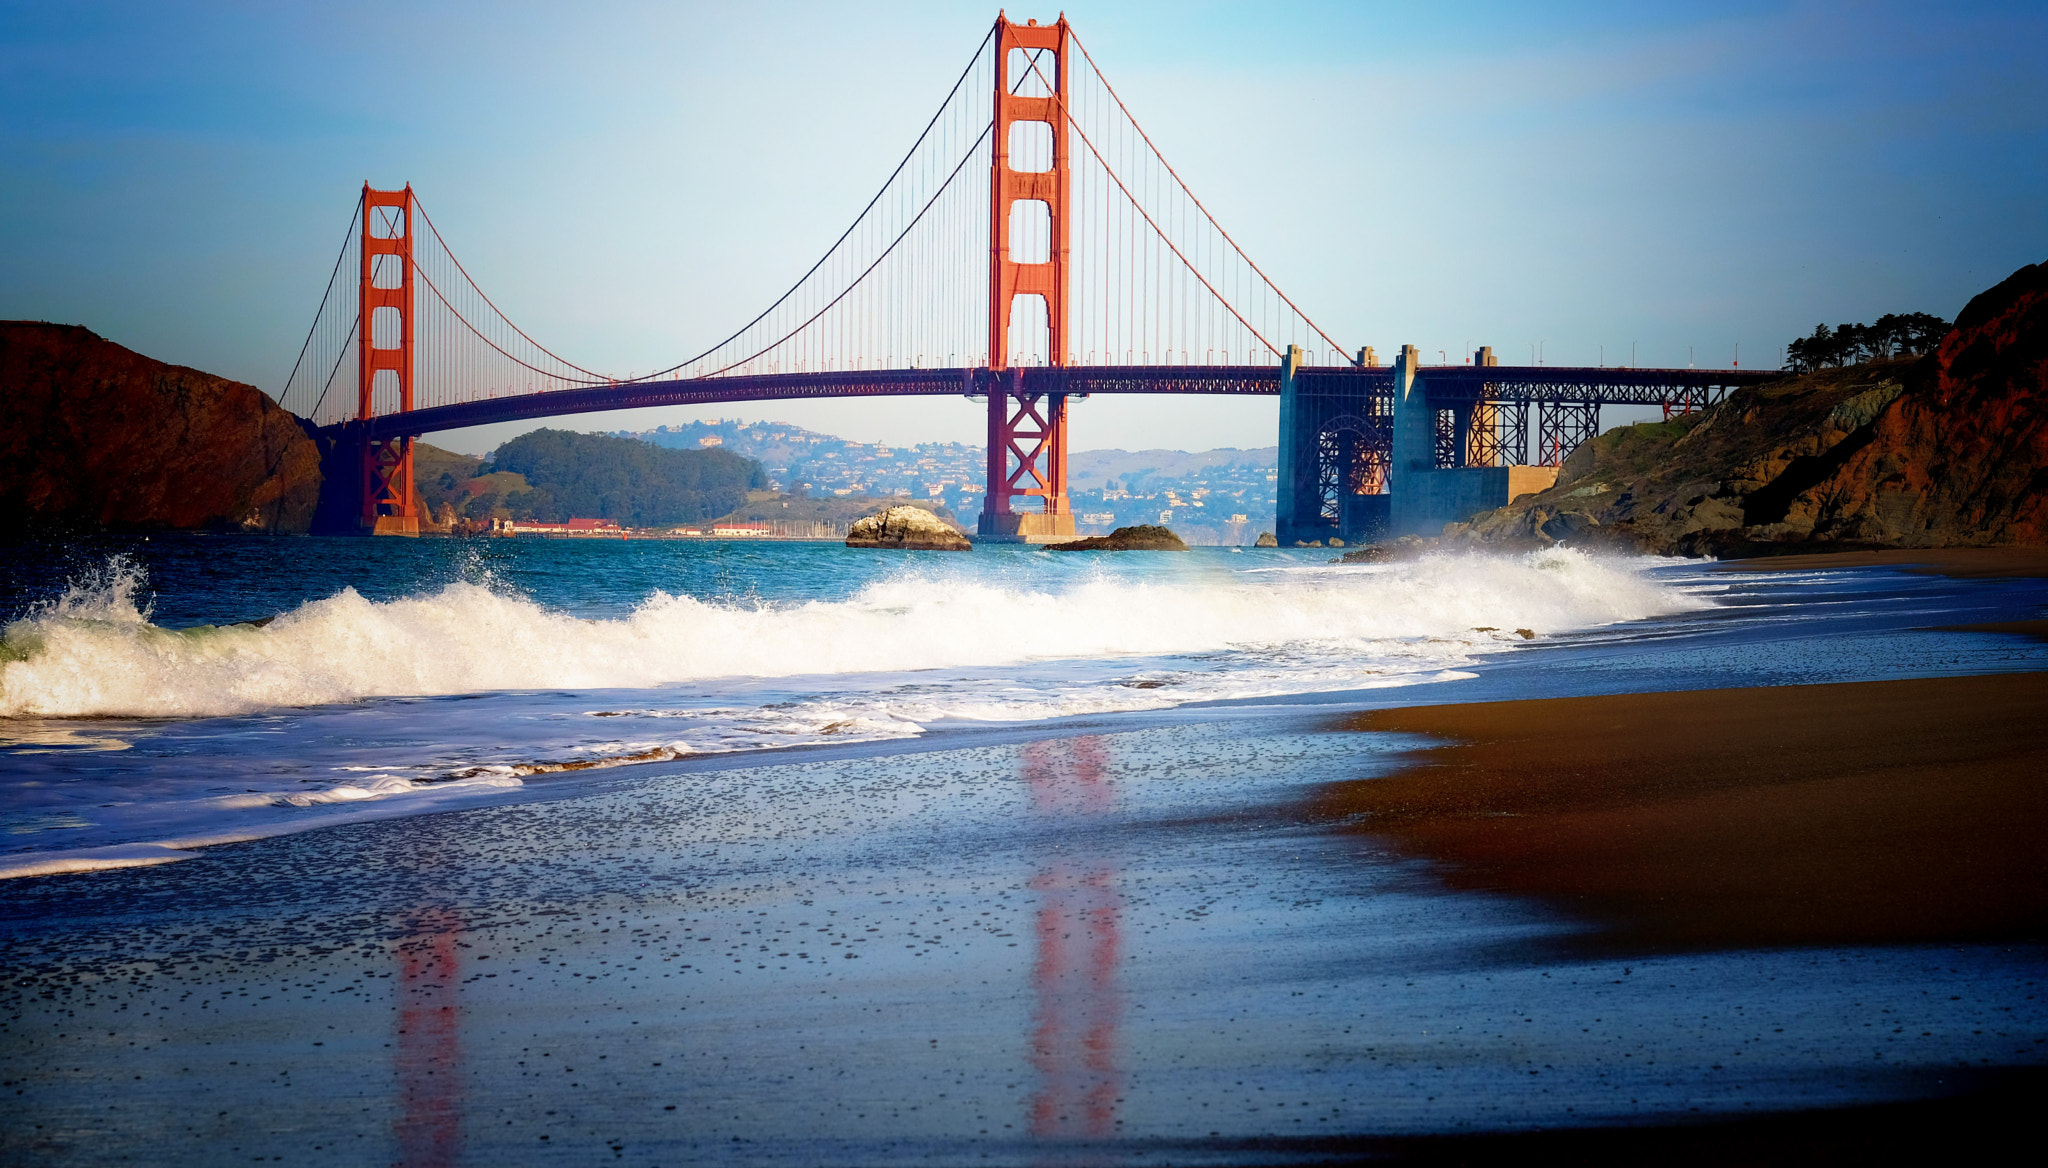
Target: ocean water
pixel 159 694
pixel 788 854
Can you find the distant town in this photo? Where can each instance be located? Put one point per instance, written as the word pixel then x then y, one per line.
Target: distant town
pixel 1211 497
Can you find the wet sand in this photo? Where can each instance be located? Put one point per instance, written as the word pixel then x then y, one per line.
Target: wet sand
pixel 1106 948
pixel 1864 813
pixel 1986 1115
pixel 2037 629
pixel 1966 563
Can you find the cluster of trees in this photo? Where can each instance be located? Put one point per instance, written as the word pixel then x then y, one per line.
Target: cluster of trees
pixel 632 483
pixel 1892 335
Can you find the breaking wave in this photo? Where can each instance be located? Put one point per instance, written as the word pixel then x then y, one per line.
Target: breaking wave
pixel 94 651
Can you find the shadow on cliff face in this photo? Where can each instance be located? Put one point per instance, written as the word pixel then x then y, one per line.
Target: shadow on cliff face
pixel 95 436
pixel 341 494
pixel 1947 450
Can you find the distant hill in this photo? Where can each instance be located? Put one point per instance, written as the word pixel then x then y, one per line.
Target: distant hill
pixel 436 470
pixel 1197 492
pixel 776 445
pixel 95 435
pixel 1091 468
pixel 800 461
pixel 836 511
pixel 633 483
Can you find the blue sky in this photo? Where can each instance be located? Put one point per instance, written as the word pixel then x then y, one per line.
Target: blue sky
pixel 627 180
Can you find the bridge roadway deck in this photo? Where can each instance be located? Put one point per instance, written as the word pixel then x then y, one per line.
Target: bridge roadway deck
pixel 1609 386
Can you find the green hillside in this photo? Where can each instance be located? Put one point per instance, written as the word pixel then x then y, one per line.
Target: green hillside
pixel 632 483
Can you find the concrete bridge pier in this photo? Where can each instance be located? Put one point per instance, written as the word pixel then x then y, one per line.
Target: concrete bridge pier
pixel 366 486
pixel 1425 494
pixel 1297 508
pixel 1413 465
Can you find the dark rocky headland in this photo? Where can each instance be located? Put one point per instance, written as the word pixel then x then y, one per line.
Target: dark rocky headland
pixel 93 435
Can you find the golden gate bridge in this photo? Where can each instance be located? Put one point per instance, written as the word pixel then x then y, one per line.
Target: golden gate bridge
pixel 1031 248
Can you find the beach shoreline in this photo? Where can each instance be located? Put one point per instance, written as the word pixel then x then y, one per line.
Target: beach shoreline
pixel 1883 812
pixel 2011 562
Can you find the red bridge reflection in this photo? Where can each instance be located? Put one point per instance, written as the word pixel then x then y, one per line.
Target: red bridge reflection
pixel 1073 1040
pixel 427 1058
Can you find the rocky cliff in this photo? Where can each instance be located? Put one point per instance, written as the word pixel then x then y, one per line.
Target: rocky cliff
pixel 94 435
pixel 1950 450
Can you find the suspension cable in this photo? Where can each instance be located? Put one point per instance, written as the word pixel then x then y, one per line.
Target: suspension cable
pixel 865 272
pixel 340 256
pixel 597 378
pixel 450 253
pixel 600 378
pixel 1191 194
pixel 1114 177
pixel 314 413
pixel 972 60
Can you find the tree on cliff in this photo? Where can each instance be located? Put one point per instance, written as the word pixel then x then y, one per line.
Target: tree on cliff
pixel 633 483
pixel 1892 335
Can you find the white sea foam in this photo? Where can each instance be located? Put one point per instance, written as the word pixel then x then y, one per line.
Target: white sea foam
pixel 94 651
pixel 385 785
pixel 138 855
pixel 992 639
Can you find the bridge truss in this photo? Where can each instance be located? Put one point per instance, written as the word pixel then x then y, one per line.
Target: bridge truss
pixel 1341 425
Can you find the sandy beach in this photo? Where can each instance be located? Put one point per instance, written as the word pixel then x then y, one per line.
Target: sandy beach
pixel 1876 812
pixel 1959 562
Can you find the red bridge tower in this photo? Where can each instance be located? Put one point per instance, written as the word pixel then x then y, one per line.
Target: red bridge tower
pixel 1027 433
pixel 385 347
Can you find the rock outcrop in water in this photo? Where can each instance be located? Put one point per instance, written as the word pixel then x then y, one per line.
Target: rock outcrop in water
pixel 1144 537
pixel 1407 547
pixel 93 435
pixel 906 529
pixel 1950 450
